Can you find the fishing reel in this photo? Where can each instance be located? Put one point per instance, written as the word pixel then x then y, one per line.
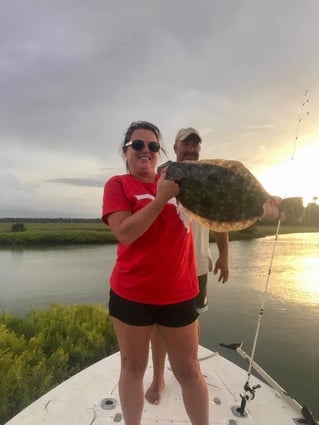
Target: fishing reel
pixel 250 393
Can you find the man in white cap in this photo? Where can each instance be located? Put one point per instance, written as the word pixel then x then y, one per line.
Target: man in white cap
pixel 187 147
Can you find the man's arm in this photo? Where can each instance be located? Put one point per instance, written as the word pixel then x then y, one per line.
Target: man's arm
pixel 221 264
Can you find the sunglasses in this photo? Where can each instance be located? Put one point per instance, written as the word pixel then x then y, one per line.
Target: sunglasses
pixel 138 145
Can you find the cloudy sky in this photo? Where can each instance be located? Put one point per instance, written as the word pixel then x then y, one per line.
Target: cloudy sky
pixel 75 73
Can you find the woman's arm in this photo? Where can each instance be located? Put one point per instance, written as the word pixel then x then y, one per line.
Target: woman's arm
pixel 128 227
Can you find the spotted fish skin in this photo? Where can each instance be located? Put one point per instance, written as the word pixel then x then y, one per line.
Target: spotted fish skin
pixel 224 195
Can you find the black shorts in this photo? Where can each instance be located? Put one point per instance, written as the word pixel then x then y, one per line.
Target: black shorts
pixel 201 301
pixel 140 314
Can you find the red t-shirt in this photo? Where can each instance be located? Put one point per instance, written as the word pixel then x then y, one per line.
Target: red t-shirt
pixel 159 267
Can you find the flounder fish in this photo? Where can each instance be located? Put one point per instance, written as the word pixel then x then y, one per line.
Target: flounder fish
pixel 223 194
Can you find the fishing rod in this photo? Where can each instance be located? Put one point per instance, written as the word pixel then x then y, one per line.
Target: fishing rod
pixel 249 392
pixel 306 412
pixel 275 243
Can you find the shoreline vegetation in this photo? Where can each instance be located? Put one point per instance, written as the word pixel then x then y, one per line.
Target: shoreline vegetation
pixel 46 347
pixel 60 232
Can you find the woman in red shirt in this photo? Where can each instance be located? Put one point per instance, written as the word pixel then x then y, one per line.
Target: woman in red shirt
pixel 154 279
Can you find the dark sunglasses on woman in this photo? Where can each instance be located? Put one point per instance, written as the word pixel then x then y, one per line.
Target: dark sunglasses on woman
pixel 138 145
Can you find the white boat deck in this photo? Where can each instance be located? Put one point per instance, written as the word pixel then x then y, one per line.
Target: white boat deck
pixel 82 399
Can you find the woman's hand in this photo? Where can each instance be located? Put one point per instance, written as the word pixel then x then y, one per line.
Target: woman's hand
pixel 166 189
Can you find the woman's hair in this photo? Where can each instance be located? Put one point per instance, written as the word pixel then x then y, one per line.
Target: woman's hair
pixel 135 125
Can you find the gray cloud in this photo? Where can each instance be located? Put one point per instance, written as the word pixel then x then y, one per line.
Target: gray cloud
pixel 74 74
pixel 90 182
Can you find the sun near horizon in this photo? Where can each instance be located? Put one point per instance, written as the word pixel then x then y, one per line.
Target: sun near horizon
pixel 298 176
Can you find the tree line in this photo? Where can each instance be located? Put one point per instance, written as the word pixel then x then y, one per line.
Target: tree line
pixel 310 218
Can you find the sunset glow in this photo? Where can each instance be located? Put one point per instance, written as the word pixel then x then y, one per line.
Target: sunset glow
pixel 298 176
pixel 309 277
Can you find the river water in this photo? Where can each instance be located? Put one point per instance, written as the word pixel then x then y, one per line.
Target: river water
pixel 288 342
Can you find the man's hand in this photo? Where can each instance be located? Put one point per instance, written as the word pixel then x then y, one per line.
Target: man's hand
pixel 221 265
pixel 271 211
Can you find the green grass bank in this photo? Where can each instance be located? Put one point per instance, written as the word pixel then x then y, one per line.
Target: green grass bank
pixel 59 233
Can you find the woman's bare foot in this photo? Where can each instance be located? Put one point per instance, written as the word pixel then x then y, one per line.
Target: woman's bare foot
pixel 154 392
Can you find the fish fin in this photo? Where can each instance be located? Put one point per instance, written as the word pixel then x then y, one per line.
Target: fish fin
pixel 223 226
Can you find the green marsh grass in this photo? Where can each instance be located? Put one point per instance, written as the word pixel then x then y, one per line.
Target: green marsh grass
pixel 56 233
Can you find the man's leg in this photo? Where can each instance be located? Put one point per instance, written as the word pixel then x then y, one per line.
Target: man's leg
pixel 153 393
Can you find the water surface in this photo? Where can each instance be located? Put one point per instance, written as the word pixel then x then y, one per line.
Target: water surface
pixel 288 342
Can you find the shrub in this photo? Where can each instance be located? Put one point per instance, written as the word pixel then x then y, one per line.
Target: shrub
pixel 46 347
pixel 18 227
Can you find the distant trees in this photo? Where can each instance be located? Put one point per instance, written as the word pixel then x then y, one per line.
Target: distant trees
pixel 312 213
pixel 49 220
